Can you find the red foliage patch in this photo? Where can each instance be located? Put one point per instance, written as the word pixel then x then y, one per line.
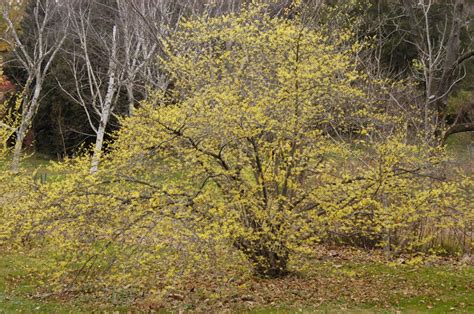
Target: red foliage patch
pixel 5 85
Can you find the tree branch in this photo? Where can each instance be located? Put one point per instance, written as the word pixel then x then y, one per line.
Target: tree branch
pixel 458 128
pixel 465 57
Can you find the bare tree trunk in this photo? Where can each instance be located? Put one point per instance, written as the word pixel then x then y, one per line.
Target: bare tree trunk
pixel 131 98
pixel 30 108
pixel 20 137
pixel 107 105
pixel 448 77
pixel 99 142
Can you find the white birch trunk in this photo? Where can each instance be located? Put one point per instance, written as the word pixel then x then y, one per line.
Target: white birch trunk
pixel 106 106
pixel 25 124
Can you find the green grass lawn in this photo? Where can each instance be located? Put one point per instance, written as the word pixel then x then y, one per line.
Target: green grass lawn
pixel 461 146
pixel 327 286
pixel 32 161
pixel 18 285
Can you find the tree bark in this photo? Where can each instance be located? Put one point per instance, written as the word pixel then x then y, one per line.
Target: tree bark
pixel 451 60
pixel 99 143
pixel 131 99
pixel 107 105
pixel 20 137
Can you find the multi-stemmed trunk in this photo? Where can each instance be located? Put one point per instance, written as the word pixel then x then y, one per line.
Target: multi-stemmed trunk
pixel 268 263
pixel 268 259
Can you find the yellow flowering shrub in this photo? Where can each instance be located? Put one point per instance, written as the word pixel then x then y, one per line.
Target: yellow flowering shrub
pixel 266 143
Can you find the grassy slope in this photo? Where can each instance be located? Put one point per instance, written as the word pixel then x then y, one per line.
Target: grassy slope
pixel 331 285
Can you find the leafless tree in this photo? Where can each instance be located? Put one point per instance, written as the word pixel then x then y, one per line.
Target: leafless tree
pixel 143 25
pixel 441 56
pixel 97 74
pixel 45 40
